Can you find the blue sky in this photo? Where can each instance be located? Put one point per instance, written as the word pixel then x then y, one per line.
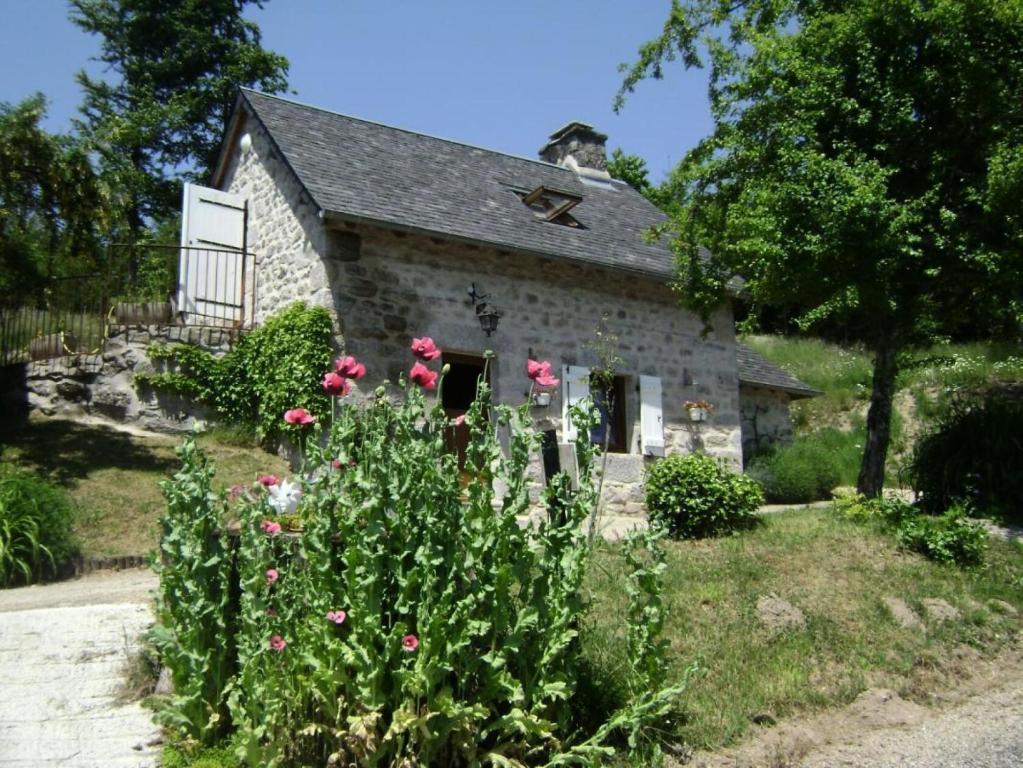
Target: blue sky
pixel 502 75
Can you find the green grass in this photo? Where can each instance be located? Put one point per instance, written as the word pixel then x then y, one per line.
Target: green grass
pixel 837 573
pixel 113 477
pixel 837 419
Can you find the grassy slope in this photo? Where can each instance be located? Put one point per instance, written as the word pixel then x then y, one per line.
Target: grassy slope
pixel 113 477
pixel 844 373
pixel 837 573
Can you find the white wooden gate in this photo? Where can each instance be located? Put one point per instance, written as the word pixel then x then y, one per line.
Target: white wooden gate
pixel 211 270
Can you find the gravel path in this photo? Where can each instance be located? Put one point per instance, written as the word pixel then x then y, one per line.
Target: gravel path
pixel 62 662
pixel 984 732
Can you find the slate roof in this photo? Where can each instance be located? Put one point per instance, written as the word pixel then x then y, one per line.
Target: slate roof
pixel 364 171
pixel 756 371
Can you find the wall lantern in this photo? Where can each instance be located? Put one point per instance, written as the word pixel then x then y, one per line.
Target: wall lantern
pixel 485 313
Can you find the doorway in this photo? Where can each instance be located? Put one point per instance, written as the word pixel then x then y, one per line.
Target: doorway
pixel 458 394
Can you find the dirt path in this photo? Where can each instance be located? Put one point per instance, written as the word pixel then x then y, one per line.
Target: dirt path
pixel 62 662
pixel 977 724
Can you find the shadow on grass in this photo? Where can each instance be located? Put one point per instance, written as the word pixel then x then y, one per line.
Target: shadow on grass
pixel 68 451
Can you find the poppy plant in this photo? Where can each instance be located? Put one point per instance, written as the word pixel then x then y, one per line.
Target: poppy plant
pixel 268 480
pixel 272 575
pixel 540 373
pixel 409 643
pixel 277 643
pixel 299 416
pixel 350 368
pixel 335 385
pixel 423 376
pixel 425 349
pixel 270 528
pixel 338 617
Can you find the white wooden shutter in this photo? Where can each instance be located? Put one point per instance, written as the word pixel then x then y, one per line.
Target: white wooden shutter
pixel 575 386
pixel 210 268
pixel 651 419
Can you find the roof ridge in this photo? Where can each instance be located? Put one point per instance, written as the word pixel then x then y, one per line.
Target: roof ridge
pixel 405 130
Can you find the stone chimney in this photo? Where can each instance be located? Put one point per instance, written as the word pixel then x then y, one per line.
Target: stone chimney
pixel 577 146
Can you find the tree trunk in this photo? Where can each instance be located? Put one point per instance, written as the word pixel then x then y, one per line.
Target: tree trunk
pixel 879 418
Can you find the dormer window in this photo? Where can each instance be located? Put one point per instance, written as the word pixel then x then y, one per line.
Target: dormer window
pixel 552 205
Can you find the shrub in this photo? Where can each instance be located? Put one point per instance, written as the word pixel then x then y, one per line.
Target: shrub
pixel 800 472
pixel 36 540
pixel 693 496
pixel 974 454
pixel 35 529
pixel 273 368
pixel 951 539
pixel 413 621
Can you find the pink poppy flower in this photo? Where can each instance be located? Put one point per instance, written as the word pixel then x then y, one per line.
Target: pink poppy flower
pixel 540 373
pixel 299 416
pixel 409 643
pixel 349 368
pixel 272 575
pixel 423 376
pixel 338 617
pixel 335 385
pixel 425 349
pixel 277 643
pixel 270 528
pixel 459 420
pixel 268 480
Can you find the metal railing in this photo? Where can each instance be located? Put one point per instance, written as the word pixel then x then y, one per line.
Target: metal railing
pixel 143 285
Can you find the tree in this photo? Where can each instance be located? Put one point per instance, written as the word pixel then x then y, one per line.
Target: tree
pixel 52 204
pixel 866 165
pixel 176 68
pixel 633 171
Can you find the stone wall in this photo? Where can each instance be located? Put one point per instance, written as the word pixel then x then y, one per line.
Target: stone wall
pixel 765 419
pixel 102 384
pixel 388 287
pixel 285 233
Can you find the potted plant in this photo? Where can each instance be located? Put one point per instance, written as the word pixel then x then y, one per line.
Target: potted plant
pixel 698 410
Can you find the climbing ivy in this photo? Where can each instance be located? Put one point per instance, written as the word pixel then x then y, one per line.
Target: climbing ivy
pixel 271 369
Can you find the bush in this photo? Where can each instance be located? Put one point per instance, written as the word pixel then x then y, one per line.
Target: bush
pixel 694 496
pixel 951 539
pixel 273 368
pixel 974 454
pixel 413 621
pixel 35 529
pixel 800 472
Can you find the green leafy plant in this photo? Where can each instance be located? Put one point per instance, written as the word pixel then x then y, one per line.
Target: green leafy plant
pixel 36 540
pixel 413 621
pixel 950 538
pixel 796 473
pixel 194 633
pixel 973 453
pixel 273 368
pixel 693 496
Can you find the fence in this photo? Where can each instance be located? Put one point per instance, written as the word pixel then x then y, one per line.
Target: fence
pixel 143 284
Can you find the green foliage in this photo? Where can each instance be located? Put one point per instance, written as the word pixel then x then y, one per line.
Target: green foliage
pixel 51 203
pixel 392 538
pixel 837 181
pixel 797 473
pixel 270 370
pixel 974 452
pixel 694 496
pixel 35 529
pixel 170 78
pixel 193 634
pixel 950 539
pixel 175 756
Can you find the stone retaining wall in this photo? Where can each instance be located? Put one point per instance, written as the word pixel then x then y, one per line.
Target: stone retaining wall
pixel 103 385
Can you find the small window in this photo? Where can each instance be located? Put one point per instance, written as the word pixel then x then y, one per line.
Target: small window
pixel 610 402
pixel 552 205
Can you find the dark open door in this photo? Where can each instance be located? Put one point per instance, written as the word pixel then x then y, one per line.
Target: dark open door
pixel 458 394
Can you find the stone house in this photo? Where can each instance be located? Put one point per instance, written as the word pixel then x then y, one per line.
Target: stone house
pixel 393 230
